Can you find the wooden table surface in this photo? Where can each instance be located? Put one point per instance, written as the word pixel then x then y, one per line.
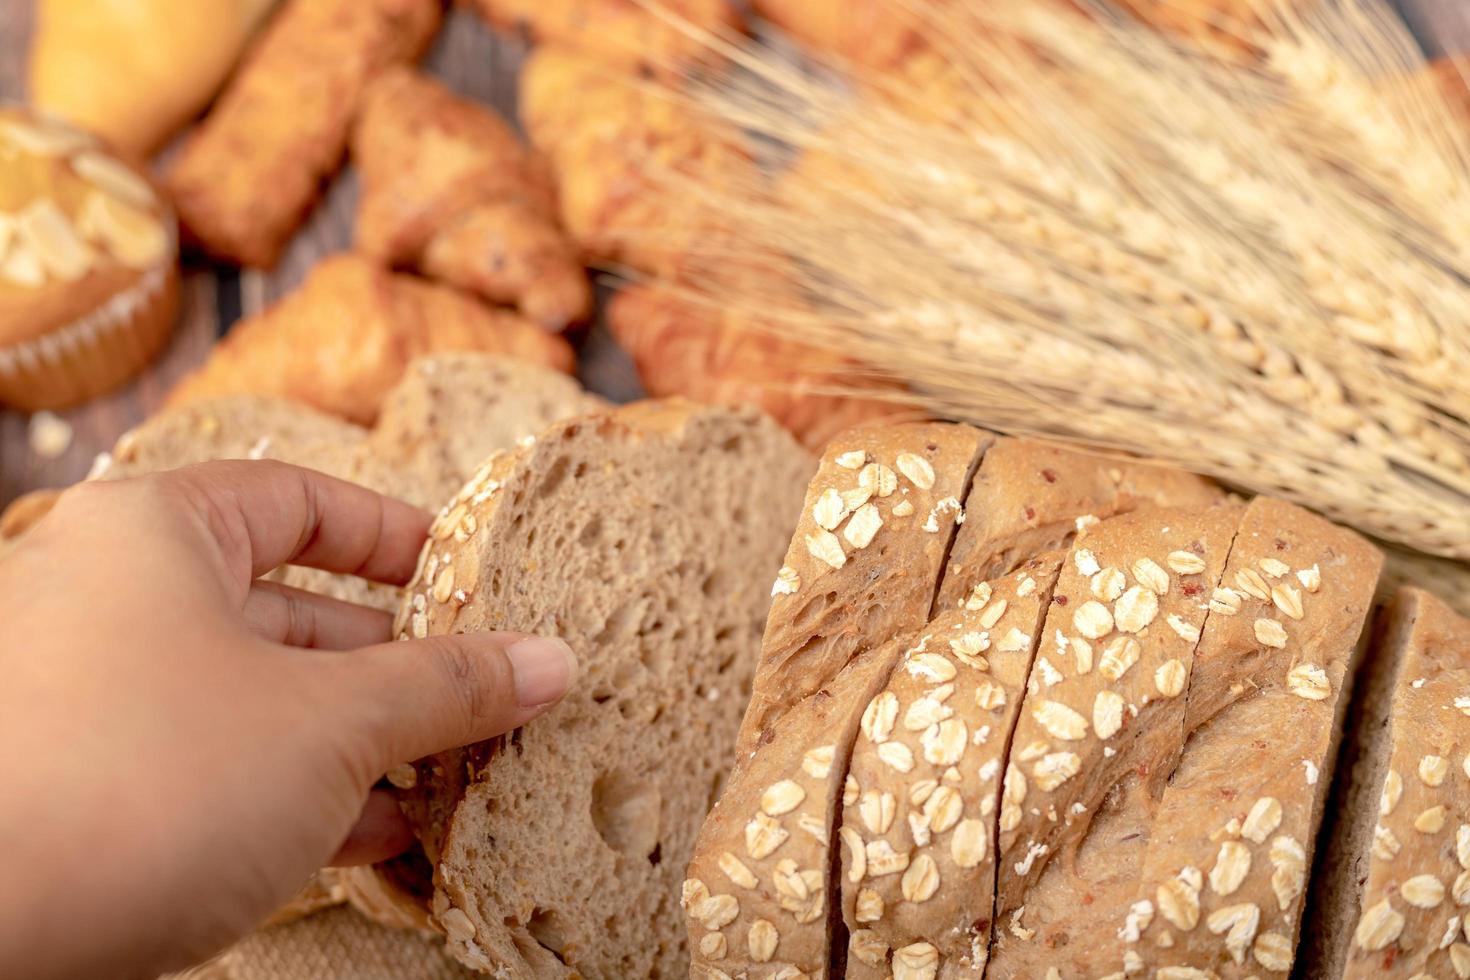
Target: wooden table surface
pixel 475 62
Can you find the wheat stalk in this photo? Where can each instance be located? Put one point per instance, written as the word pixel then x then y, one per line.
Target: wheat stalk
pixel 1254 268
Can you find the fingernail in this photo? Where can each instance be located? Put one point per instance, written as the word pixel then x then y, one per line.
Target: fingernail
pixel 544 667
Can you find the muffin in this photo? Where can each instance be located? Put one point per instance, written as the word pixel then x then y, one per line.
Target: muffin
pixel 89 277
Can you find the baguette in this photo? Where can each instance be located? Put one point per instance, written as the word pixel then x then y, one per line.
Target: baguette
pixel 449 189
pixel 559 850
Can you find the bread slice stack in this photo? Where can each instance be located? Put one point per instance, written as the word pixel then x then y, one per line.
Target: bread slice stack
pixel 1096 740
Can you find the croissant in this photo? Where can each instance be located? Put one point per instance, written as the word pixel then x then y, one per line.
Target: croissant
pixel 344 338
pixel 447 188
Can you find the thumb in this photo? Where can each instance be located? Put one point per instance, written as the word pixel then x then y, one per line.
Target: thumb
pixel 418 697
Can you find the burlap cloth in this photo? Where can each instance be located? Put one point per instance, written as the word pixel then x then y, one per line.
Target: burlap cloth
pixel 335 944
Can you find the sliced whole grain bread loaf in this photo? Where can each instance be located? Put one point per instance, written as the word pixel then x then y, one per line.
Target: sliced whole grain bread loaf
pixel 452 410
pixel 886 577
pixel 1388 900
pixel 757 895
pixel 1271 683
pixel 647 537
pixel 437 425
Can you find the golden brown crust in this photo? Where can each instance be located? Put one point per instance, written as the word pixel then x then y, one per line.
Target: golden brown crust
pixel 682 347
pixel 615 30
pixel 135 74
pixel 89 278
pixel 925 782
pixel 347 334
pixel 865 558
pixel 447 187
pixel 247 176
pixel 1028 497
pixel 616 150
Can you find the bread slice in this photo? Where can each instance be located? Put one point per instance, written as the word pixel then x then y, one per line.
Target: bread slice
pixel 647 537
pixel 1271 683
pixel 1208 875
pixel 452 410
pixel 918 872
pixel 1105 696
pixel 437 425
pixel 866 558
pixel 758 898
pixel 1028 497
pixel 1388 899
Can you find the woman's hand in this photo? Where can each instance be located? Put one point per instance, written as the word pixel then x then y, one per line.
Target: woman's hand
pixel 184 744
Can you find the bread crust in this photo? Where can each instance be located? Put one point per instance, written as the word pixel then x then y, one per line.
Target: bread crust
pixel 1262 727
pixel 1028 498
pixel 756 899
pixel 344 338
pixel 834 599
pixel 448 188
pixel 246 177
pixel 1398 930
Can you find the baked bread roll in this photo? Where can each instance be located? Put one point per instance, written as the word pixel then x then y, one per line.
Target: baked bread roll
pixel 135 71
pixel 636 536
pixel 618 152
pixel 616 30
pixel 447 188
pixel 346 335
pixel 682 347
pixel 249 173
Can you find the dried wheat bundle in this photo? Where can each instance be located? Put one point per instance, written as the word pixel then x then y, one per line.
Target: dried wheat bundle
pixel 1250 260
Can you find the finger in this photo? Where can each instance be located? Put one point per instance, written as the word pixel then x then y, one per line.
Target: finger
pixel 381 832
pixel 266 513
pixel 412 699
pixel 298 618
